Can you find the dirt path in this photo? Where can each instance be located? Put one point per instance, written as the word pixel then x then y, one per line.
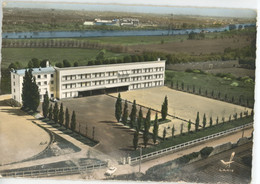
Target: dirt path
pixel 19 137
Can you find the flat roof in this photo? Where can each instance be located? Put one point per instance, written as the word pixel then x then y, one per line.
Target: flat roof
pixel 118 64
pixel 36 70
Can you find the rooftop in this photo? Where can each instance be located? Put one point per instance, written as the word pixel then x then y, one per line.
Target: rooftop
pixel 111 65
pixel 36 70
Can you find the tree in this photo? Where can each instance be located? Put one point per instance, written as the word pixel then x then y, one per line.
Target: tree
pixel 199 90
pixel 50 113
pixel 45 105
pixel 164 110
pixel 133 115
pixel 135 140
pixel 197 122
pixel 217 120
pixel 210 121
pixel 33 63
pixel 140 119
pixel 59 65
pixel 43 63
pixel 30 91
pixel 173 130
pixel 118 107
pixel 13 66
pixel 61 115
pixel 67 118
pixel 125 114
pixel 35 96
pixel 146 128
pixel 76 64
pixel 204 120
pixel 73 121
pixel 164 134
pixel 182 86
pixel 155 128
pixel 66 63
pixel 189 126
pixel 101 55
pixel 56 113
pixel 181 130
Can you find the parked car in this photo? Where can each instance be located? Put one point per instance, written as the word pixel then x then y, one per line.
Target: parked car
pixel 110 171
pixel 53 100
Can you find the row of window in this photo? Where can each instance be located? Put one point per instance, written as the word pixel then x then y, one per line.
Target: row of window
pixel 44 89
pixel 44 76
pixel 44 83
pixel 147 84
pixel 114 73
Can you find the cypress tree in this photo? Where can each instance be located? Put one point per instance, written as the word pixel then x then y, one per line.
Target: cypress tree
pixel 204 120
pixel 210 121
pixel 133 115
pixel 67 118
pixel 197 122
pixel 118 108
pixel 73 121
pixel 173 130
pixel 35 96
pixel 140 119
pixel 50 113
pixel 164 109
pixel 146 128
pixel 26 90
pixel 125 114
pixel 189 126
pixel 155 128
pixel 181 130
pixel 56 113
pixel 61 115
pixel 45 105
pixel 164 133
pixel 135 140
pixel 217 120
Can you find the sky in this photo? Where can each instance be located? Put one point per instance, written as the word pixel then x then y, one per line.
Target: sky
pixel 246 11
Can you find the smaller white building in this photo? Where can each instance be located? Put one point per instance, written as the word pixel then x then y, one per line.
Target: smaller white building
pixel 45 79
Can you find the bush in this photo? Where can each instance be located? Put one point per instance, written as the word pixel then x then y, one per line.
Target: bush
pixel 206 151
pixel 234 84
pixel 187 158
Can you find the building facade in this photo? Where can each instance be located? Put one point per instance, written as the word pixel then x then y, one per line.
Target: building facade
pixel 87 80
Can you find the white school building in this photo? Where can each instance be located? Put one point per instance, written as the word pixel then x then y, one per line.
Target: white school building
pixel 90 80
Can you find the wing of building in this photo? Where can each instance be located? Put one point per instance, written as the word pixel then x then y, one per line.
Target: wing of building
pixel 88 80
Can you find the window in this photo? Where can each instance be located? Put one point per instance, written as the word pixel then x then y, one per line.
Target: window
pixel 45 82
pixel 45 76
pixel 39 76
pixel 52 88
pixel 13 76
pixel 52 95
pixel 14 90
pixel 51 75
pixel 39 90
pixel 39 83
pixel 14 83
pixel 52 82
pixel 14 97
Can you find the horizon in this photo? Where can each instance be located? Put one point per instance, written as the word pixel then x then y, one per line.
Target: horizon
pixel 160 10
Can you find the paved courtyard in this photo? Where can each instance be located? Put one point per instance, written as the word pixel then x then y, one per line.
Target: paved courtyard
pixel 98 111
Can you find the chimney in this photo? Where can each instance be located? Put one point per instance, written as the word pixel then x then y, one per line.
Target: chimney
pixel 40 69
pixel 158 59
pixel 47 63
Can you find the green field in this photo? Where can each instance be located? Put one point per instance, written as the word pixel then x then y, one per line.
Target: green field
pixel 211 83
pixel 54 55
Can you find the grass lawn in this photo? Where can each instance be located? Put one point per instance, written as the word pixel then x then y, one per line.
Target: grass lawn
pixel 195 135
pixel 23 55
pixel 210 82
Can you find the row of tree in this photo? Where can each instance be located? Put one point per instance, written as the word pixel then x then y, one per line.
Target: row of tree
pixel 56 114
pixel 241 100
pixel 140 123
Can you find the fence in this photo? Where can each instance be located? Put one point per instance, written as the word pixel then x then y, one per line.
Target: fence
pixel 53 171
pixel 189 143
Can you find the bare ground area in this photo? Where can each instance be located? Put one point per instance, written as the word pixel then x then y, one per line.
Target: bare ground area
pixel 19 137
pixel 237 72
pixel 183 105
pixel 195 47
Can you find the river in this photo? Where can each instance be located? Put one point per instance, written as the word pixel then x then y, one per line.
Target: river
pixel 104 33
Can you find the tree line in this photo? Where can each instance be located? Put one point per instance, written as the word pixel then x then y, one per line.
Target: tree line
pixel 139 122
